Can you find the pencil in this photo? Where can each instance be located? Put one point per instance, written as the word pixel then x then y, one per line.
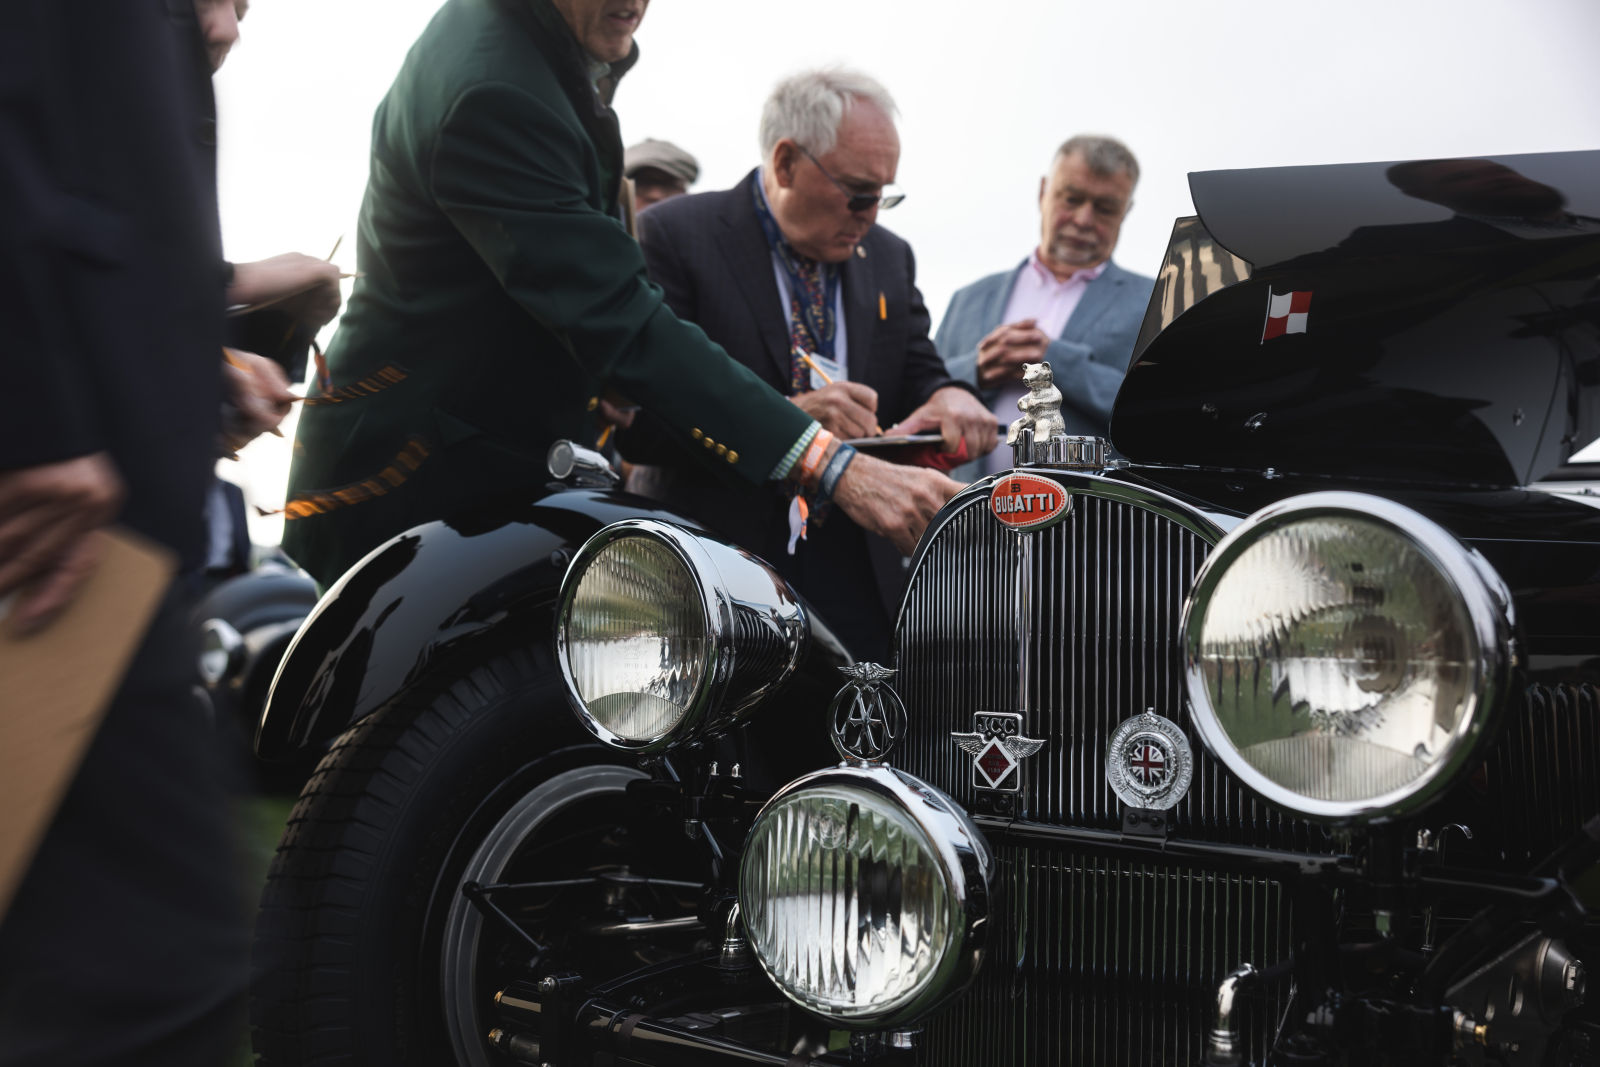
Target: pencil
pixel 877 431
pixel 808 361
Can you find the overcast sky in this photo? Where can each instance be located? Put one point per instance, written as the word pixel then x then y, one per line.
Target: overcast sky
pixel 986 91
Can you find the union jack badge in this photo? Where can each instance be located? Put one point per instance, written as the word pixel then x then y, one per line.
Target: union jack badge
pixel 997 748
pixel 1149 762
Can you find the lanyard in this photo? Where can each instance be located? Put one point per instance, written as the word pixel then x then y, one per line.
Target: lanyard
pixel 821 322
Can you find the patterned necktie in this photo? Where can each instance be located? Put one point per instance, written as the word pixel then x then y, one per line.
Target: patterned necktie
pixel 808 311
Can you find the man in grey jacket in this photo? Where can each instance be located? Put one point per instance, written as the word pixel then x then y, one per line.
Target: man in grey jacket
pixel 1067 303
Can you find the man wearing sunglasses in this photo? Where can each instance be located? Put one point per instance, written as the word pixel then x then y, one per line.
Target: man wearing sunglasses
pixel 789 272
pixel 1067 303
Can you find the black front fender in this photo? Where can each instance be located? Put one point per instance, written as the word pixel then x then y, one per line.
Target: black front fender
pixel 436 593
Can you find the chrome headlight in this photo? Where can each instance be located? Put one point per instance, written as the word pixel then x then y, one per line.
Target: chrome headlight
pixel 1344 655
pixel 222 652
pixel 865 893
pixel 664 634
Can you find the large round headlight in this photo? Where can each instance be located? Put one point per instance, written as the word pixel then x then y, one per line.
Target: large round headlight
pixel 1344 655
pixel 865 893
pixel 665 634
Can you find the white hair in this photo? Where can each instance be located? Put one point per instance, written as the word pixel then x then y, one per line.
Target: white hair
pixel 807 107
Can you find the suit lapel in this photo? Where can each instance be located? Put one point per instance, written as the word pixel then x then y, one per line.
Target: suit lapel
pixel 744 247
pixel 1096 300
pixel 859 288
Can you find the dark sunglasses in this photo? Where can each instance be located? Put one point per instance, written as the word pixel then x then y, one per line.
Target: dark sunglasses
pixel 888 198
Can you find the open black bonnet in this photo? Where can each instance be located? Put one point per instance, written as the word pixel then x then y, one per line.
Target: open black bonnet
pixel 1436 320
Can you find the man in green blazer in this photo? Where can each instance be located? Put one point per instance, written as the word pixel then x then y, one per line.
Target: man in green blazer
pixel 502 301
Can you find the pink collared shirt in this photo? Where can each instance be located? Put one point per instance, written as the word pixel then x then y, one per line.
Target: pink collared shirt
pixel 1039 295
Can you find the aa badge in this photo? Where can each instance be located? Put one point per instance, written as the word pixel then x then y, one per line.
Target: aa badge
pixel 867 717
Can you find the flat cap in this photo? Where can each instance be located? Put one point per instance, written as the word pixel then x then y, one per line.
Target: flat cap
pixel 663 156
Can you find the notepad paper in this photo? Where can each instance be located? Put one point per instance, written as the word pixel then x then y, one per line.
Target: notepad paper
pixel 56 684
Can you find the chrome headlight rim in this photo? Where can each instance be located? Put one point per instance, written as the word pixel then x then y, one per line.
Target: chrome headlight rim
pixel 692 554
pixel 965 863
pixel 1481 592
pixel 222 652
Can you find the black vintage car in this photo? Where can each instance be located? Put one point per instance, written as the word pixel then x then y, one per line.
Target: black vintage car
pixel 1269 735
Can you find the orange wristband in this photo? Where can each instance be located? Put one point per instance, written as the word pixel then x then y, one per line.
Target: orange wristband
pixel 815 457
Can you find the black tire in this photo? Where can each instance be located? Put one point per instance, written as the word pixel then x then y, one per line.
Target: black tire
pixel 351 955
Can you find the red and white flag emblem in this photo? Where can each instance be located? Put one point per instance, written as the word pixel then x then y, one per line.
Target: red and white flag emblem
pixel 1286 313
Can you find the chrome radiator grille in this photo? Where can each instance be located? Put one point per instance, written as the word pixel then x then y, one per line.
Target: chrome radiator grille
pixel 1093 961
pixel 1125 980
pixel 1094 616
pixel 1539 782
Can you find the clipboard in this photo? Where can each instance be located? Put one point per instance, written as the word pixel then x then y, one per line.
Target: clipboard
pixel 897 440
pixel 55 687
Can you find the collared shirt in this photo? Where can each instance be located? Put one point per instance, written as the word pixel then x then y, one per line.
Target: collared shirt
pixel 839 367
pixel 1039 295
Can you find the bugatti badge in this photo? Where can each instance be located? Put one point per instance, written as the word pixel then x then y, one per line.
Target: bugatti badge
pixel 867 718
pixel 997 748
pixel 1024 501
pixel 1149 762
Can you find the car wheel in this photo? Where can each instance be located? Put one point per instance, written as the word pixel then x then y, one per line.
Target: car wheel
pixel 368 951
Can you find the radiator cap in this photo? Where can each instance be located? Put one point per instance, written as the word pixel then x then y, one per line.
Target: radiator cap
pixel 1039 438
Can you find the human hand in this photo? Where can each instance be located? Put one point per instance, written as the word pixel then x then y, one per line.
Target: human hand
pixel 258 390
pixel 613 411
pixel 1006 348
pixel 616 413
pixel 46 514
pixel 304 288
pixel 958 416
pixel 845 409
pixel 894 501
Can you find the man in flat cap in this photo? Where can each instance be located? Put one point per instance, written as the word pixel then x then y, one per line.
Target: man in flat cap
pixel 659 170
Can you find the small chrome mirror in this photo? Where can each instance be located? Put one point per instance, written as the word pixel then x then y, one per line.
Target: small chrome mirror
pixel 584 467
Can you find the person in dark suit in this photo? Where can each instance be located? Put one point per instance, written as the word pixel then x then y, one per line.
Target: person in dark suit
pixel 125 942
pixel 503 305
pixel 1067 303
pixel 791 261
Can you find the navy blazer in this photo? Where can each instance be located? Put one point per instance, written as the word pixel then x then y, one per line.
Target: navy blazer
pixel 708 253
pixel 1088 360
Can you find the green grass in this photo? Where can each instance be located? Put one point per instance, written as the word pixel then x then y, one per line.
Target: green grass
pixel 262 817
